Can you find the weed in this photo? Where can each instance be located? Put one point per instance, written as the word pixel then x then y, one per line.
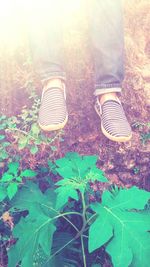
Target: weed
pixel 144 129
pixel 25 132
pixel 11 179
pixel 62 226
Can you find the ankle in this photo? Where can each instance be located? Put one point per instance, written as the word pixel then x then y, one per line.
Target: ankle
pixel 108 96
pixel 54 82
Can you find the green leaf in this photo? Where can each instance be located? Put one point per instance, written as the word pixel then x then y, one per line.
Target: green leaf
pixel 77 172
pixel 3 193
pixel 52 167
pixel 84 167
pixel 23 141
pixel 13 168
pixel 12 190
pixel 19 178
pixel 28 173
pixel 69 255
pixel 2 137
pixel 64 192
pixel 36 230
pixel 6 144
pixel 3 155
pixel 7 177
pixel 3 117
pixel 33 150
pixel 3 126
pixel 53 148
pixel 35 130
pixel 96 174
pixel 122 224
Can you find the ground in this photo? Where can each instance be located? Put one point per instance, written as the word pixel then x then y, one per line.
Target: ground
pixel 125 164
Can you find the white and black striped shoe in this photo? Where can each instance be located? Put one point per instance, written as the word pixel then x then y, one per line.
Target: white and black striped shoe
pixel 114 124
pixel 53 113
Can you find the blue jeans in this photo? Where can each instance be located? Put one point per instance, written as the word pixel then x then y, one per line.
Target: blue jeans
pixel 106 38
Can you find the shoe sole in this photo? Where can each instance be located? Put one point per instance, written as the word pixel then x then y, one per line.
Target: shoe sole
pixel 113 138
pixel 109 136
pixel 54 127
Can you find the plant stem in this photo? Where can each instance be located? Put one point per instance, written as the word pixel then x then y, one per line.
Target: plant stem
pixel 83 251
pixel 94 215
pixel 23 132
pixel 83 212
pixel 64 216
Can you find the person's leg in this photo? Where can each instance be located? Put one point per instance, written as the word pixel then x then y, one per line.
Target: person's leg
pixel 107 38
pixel 46 40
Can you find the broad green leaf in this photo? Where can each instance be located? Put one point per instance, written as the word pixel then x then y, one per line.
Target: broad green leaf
pixel 12 190
pixel 3 193
pixel 65 256
pixel 123 225
pixel 30 198
pixel 28 173
pixel 7 177
pixel 63 194
pixel 133 198
pixel 33 150
pixel 36 230
pixel 13 167
pixel 83 167
pixel 31 236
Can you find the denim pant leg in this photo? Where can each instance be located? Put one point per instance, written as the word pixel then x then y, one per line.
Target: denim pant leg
pixel 106 34
pixel 46 38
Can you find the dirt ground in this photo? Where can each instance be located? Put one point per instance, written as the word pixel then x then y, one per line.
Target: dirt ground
pixel 125 164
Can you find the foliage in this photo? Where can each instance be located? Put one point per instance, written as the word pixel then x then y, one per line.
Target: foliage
pixel 24 131
pixel 11 179
pixel 123 224
pixel 144 129
pixel 62 226
pixel 4 144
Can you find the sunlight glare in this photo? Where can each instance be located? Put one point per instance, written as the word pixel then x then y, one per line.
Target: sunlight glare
pixel 14 13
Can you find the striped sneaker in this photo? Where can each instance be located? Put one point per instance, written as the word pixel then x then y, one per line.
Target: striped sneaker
pixel 53 113
pixel 114 124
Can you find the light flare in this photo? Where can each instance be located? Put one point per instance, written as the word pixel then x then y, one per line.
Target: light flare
pixel 14 14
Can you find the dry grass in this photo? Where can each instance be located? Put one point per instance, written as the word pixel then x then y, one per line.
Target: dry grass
pixel 14 74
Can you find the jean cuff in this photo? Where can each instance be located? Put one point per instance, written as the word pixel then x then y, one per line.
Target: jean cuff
pixel 102 91
pixel 54 75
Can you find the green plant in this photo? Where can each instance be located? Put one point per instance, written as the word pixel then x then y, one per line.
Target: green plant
pixel 25 132
pixel 144 131
pixel 11 180
pixel 145 137
pixel 5 122
pixel 63 227
pixel 136 170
